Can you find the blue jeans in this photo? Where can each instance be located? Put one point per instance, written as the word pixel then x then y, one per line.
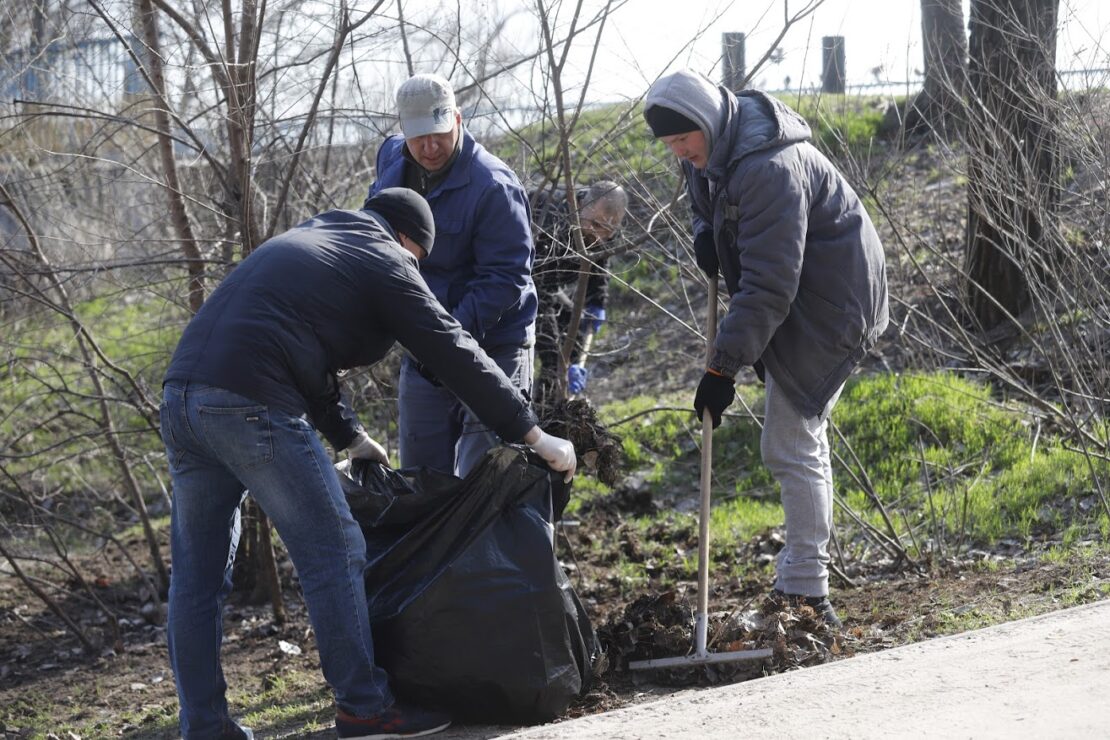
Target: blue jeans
pixel 220 444
pixel 437 430
pixel 796 451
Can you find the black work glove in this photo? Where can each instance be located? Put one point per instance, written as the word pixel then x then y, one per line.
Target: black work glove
pixel 716 393
pixel 427 374
pixel 705 254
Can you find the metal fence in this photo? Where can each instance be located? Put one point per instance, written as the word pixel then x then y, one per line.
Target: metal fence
pixel 90 72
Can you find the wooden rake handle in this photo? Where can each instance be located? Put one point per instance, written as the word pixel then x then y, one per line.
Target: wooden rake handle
pixel 701 623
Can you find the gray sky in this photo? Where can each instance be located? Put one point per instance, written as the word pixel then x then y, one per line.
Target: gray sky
pixel 645 38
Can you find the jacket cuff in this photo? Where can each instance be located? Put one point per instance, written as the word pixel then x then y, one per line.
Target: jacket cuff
pixel 725 364
pixel 515 429
pixel 339 430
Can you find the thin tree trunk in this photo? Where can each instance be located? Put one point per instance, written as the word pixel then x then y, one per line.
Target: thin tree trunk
pixel 404 38
pixel 179 217
pixel 268 567
pixel 240 119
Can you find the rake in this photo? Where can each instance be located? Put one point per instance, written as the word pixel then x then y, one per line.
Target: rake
pixel 701 655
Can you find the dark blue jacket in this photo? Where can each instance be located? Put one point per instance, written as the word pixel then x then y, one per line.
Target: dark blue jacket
pixel 334 293
pixel 481 266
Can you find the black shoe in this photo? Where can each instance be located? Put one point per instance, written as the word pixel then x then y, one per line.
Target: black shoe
pixel 232 731
pixel 819 604
pixel 397 721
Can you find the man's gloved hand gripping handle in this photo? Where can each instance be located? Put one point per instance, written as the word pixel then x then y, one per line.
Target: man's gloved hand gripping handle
pixel 705 254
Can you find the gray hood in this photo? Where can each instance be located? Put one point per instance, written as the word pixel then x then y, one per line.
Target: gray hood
pixel 733 126
pixel 692 95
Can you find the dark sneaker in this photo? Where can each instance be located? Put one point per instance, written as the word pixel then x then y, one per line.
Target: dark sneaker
pixel 232 731
pixel 819 604
pixel 397 721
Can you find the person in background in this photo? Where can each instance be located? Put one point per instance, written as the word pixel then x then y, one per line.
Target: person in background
pixel 806 279
pixel 601 211
pixel 253 379
pixel 480 270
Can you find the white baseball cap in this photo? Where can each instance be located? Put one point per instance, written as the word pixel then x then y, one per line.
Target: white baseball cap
pixel 426 105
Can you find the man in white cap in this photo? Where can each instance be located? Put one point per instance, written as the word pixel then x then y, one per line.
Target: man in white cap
pixel 480 269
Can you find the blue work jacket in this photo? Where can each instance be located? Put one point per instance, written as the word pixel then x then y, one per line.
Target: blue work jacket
pixel 480 268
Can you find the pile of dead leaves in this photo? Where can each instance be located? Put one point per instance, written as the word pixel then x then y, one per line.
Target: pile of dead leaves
pixel 662 626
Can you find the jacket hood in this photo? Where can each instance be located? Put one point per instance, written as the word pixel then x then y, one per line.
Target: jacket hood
pixel 694 96
pixel 753 122
pixel 765 123
pixel 734 126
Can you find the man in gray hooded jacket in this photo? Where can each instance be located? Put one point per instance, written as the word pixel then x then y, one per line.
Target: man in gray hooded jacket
pixel 806 279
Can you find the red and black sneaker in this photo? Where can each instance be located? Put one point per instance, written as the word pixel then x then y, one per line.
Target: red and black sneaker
pixel 397 721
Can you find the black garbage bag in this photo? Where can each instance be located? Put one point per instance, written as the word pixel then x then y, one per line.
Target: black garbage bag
pixel 470 609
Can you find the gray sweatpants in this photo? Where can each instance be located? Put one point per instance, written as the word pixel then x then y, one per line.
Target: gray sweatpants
pixel 796 451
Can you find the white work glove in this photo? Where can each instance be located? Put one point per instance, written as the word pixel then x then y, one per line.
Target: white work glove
pixel 558 452
pixel 364 448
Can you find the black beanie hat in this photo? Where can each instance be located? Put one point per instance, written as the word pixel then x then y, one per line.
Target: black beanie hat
pixel 667 122
pixel 407 212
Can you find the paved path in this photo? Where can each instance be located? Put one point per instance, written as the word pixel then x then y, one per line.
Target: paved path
pixel 1043 677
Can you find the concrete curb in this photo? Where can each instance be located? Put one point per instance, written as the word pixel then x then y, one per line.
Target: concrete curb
pixel 1042 677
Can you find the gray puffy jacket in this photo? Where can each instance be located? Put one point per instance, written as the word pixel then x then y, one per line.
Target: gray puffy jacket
pixel 802 262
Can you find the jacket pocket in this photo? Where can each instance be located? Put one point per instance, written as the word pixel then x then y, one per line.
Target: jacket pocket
pixel 832 328
pixel 449 225
pixel 451 248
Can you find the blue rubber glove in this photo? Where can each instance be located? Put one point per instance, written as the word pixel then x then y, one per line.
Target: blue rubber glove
pixel 576 378
pixel 592 319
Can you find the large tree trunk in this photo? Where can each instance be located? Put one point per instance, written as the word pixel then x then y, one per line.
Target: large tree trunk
pixel 938 108
pixel 1011 154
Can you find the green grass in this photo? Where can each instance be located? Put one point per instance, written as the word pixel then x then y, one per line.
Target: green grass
pixel 943 455
pixel 287 698
pixel 941 450
pixel 52 420
pixel 738 520
pixel 587 488
pixel 651 434
pixel 840 123
pixel 605 140
pixel 293 698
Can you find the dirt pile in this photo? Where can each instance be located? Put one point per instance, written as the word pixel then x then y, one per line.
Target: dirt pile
pixel 659 626
pixel 598 448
